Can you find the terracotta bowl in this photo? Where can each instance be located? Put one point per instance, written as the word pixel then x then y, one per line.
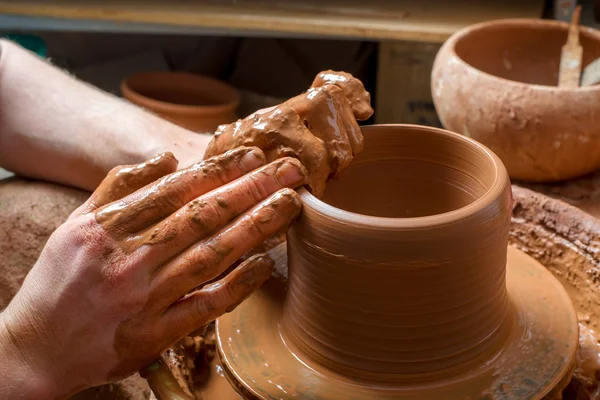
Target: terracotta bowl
pixel 195 102
pixel 496 83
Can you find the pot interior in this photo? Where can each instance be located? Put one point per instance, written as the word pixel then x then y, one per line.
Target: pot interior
pixel 409 171
pixel 525 51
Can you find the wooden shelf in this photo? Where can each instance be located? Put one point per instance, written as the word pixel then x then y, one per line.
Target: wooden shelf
pixel 422 20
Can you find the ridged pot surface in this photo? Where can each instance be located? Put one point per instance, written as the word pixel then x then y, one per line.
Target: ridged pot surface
pixel 400 270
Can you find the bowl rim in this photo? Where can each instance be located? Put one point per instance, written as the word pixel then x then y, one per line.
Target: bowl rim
pixel 343 218
pixel 450 45
pixel 182 109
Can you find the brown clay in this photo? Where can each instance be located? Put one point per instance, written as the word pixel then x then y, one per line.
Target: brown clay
pixel 496 83
pixel 318 127
pixel 399 287
pixel 278 132
pixel 123 180
pixel 354 91
pixel 135 212
pixel 195 102
pixel 583 193
pixel 566 241
pixel 399 271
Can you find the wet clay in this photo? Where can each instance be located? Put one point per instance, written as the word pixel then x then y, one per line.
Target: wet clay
pixel 374 307
pixel 124 180
pixel 134 213
pixel 566 240
pixel 401 273
pixel 578 270
pixel 318 127
pixel 584 383
pixel 583 193
pixel 496 83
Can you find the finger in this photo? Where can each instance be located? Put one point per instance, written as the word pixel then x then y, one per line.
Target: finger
pixel 209 258
pixel 126 179
pixel 205 305
pixel 353 88
pixel 162 198
pixel 204 215
pixel 352 128
pixel 319 109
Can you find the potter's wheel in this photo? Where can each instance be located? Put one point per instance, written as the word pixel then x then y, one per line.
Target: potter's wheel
pixel 559 236
pixel 262 364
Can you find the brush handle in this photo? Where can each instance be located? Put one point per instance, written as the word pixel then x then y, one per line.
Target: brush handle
pixel 573 38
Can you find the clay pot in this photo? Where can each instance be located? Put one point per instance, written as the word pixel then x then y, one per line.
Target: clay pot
pixel 496 83
pixel 443 212
pixel 400 286
pixel 195 102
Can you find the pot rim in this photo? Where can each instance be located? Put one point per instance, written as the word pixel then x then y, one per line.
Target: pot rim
pixel 342 217
pixel 450 46
pixel 181 109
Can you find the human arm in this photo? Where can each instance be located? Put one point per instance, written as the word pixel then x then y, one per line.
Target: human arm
pixel 106 296
pixel 56 128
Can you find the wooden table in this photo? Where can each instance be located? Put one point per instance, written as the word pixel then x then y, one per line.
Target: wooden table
pixel 388 21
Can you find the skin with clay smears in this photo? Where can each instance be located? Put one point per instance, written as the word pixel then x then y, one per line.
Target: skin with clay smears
pixel 137 256
pixel 319 127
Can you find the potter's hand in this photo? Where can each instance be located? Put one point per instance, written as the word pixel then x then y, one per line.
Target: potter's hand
pixel 121 280
pixel 318 127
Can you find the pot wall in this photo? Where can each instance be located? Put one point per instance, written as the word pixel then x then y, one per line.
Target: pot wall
pixel 422 217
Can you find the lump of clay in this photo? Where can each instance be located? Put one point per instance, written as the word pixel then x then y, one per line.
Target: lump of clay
pixel 319 127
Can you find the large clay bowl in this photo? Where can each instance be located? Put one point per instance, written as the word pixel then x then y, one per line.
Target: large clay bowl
pixel 195 102
pixel 496 83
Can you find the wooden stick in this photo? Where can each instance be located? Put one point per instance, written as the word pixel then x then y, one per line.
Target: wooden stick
pixel 572 53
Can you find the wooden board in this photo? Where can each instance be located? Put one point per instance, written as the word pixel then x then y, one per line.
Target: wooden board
pixel 403 84
pixel 423 20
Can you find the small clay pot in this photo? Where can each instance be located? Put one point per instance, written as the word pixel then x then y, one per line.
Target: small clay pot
pixel 195 102
pixel 496 82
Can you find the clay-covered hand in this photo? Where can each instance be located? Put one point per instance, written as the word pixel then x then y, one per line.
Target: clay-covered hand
pixel 318 127
pixel 140 265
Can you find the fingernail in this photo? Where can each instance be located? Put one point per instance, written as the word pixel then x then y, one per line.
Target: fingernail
pixel 252 160
pixel 291 174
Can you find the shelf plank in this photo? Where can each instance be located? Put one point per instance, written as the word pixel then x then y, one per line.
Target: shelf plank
pixel 423 20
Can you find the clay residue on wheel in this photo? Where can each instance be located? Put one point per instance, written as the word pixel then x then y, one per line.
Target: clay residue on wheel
pixel 583 193
pixel 567 241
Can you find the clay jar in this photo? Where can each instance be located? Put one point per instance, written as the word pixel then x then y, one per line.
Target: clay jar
pixel 400 270
pixel 496 82
pixel 195 102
